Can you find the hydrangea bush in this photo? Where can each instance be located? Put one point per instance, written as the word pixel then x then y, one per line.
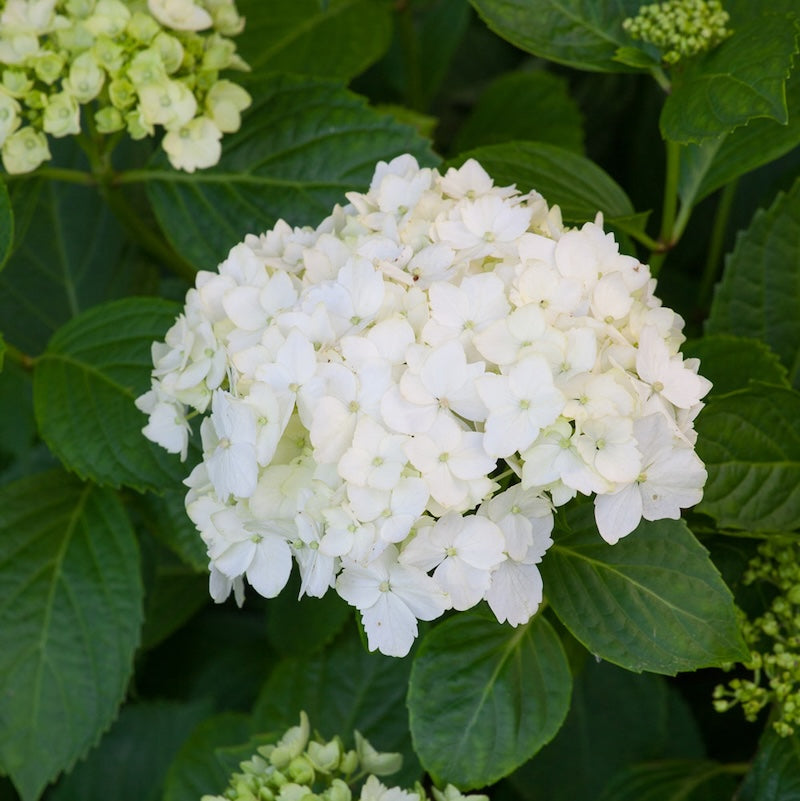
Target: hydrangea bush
pixel 414 386
pixel 467 386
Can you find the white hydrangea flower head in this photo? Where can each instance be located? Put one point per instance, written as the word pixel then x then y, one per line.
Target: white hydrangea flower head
pixel 401 398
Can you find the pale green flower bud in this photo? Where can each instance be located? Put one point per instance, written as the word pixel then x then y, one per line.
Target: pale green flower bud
pixel 169 104
pixel 85 78
pixel 109 120
pixel 374 762
pixel 48 66
pixel 147 67
pixel 227 20
pixel 348 762
pixel 109 55
pixel 219 53
pixel 16 82
pixel 137 127
pixel 76 38
pixel 296 792
pixel 224 102
pixel 16 48
pixel 9 116
pixel 35 99
pixel 451 793
pixel 62 115
pixel 301 770
pixel 180 15
pixel 338 791
pixel 325 757
pixel 80 9
pixel 294 742
pixel 142 27
pixel 170 50
pixel 110 18
pixel 24 151
pixel 122 93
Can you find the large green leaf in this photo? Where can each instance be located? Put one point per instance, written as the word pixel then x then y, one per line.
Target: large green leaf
pixel 343 688
pixel 583 34
pixel 70 612
pixel 338 40
pixel 84 387
pixel 775 774
pixel 654 601
pixel 131 761
pixel 732 362
pixel 484 698
pixel 167 520
pixel 524 106
pixel 6 225
pixel 741 80
pixel 205 762
pixel 707 167
pixel 616 718
pixel 750 442
pixel 69 259
pixel 577 185
pixel 759 295
pixel 302 145
pixel 674 780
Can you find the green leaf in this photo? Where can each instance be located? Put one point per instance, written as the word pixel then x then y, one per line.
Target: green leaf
pixel 301 626
pixel 484 698
pixel 741 80
pixel 6 225
pixel 343 688
pixel 131 761
pixel 583 34
pixel 84 387
pixel 759 294
pixel 302 145
pixel 654 601
pixel 69 259
pixel 707 167
pixel 69 622
pixel 576 184
pixel 673 780
pixel 616 718
pixel 169 523
pixel 732 362
pixel 775 774
pixel 524 105
pixel 750 442
pixel 337 41
pixel 201 766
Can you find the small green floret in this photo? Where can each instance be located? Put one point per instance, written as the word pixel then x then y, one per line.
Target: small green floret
pixel 774 641
pixel 680 29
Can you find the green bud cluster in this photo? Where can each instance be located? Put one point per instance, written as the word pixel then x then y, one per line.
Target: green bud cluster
pixel 680 28
pixel 774 641
pixel 301 768
pixel 134 66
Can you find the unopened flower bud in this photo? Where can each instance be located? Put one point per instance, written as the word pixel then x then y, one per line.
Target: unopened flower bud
pixel 301 770
pixel 62 115
pixel 9 116
pixel 325 757
pixel 48 66
pixel 142 27
pixel 170 50
pixel 338 791
pixel 86 78
pixel 224 102
pixel 24 151
pixel 109 120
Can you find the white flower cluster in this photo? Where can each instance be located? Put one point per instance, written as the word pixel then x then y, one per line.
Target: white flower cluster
pixel 140 64
pixel 400 397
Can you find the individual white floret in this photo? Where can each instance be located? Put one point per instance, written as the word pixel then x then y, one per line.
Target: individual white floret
pixel 391 598
pixel 463 551
pixel 672 478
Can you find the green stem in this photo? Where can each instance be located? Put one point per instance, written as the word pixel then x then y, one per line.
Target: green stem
pixel 714 258
pixel 15 355
pixel 643 238
pixel 56 174
pixel 667 237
